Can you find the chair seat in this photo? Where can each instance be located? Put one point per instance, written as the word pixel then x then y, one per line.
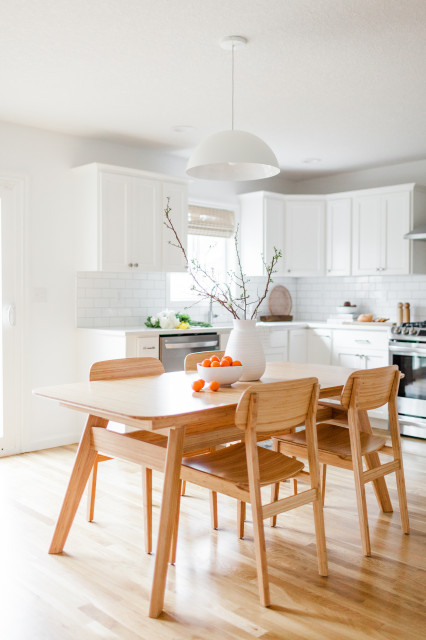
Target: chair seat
pixel 335 439
pixel 230 464
pixel 333 402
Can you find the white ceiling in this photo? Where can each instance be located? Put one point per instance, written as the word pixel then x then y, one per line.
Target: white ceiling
pixel 339 80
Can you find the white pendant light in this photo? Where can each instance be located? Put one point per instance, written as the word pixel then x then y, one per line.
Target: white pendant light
pixel 233 154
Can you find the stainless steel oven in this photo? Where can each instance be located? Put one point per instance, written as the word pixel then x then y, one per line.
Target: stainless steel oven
pixel 407 347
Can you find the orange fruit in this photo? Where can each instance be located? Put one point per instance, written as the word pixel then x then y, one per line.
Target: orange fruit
pixel 214 359
pixel 227 358
pixel 225 363
pixel 237 363
pixel 214 385
pixel 215 363
pixel 198 385
pixel 206 363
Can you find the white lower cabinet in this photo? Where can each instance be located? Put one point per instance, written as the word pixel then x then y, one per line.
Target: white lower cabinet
pixel 297 345
pixel 362 350
pixel 319 346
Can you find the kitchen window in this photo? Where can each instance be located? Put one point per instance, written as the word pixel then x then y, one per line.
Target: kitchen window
pixel 210 242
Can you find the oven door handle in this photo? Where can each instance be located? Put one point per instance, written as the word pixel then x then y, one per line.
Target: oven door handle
pixel 405 351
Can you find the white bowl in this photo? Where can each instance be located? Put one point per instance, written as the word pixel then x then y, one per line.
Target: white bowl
pixel 223 375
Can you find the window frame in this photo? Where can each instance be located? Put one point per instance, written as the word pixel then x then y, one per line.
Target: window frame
pixel 203 303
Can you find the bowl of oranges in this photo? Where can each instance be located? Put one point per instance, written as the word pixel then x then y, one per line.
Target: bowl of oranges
pixel 224 370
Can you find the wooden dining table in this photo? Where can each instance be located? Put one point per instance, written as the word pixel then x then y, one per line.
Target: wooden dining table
pixel 167 405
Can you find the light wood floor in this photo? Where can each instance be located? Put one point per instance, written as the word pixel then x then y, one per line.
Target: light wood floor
pixel 99 587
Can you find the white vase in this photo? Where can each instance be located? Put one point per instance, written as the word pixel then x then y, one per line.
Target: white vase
pixel 244 344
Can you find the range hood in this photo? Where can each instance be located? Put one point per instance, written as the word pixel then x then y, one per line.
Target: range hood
pixel 418 233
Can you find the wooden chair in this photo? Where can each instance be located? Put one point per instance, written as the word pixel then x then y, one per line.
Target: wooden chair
pixel 190 364
pixel 119 370
pixel 241 469
pixel 347 439
pixel 134 368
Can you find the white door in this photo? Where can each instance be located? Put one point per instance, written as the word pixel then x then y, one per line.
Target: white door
pixel 11 292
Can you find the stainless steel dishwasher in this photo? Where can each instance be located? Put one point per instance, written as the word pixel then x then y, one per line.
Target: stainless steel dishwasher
pixel 174 348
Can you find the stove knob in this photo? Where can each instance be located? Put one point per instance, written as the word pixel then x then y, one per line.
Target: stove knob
pixel 406 330
pixel 414 331
pixel 396 330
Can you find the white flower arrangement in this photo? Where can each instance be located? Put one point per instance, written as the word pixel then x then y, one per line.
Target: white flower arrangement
pixel 166 319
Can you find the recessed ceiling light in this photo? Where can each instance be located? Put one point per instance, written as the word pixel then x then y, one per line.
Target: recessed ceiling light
pixel 312 160
pixel 183 128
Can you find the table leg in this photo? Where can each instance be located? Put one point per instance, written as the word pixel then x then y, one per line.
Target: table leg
pixel 83 464
pixel 169 505
pixel 373 460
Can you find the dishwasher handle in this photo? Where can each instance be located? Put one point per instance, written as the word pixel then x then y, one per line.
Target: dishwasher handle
pixel 191 345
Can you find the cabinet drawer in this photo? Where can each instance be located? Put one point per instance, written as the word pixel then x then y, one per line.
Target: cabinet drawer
pixel 361 339
pixel 147 347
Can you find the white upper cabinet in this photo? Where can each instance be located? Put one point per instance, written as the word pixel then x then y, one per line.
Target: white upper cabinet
pixel 304 237
pixel 339 237
pixel 293 224
pixel 354 233
pixel 262 229
pixel 125 211
pixel 381 218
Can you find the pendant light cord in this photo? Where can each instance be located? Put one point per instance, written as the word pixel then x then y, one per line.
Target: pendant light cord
pixel 232 90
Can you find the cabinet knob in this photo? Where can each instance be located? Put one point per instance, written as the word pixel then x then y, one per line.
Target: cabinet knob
pixel 136 264
pixel 130 264
pixel 288 270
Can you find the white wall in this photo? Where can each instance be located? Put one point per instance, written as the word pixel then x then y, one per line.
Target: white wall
pixel 365 179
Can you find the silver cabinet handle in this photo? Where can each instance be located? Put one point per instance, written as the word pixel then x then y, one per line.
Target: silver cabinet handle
pixel 363 341
pixel 146 348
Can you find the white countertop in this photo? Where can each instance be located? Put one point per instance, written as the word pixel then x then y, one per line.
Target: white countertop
pixel 363 326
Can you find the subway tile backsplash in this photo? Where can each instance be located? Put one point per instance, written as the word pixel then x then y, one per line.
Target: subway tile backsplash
pixel 127 299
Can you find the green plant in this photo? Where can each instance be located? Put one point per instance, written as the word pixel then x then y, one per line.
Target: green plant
pixel 205 284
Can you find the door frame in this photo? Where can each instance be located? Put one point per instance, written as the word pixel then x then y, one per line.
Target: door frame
pixel 13 196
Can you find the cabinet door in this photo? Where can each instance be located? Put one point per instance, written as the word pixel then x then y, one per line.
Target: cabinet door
pixel 116 201
pixel 304 251
pixel 173 259
pixel 297 345
pixel 129 227
pixel 367 235
pixel 396 250
pixel 274 232
pixel 348 358
pixel 339 237
pixel 319 346
pixel 144 228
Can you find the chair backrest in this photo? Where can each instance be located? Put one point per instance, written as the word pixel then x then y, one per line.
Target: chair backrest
pixel 276 406
pixel 193 359
pixel 125 368
pixel 373 388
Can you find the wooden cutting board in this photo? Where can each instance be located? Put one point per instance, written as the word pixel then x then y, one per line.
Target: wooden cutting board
pixel 276 318
pixel 279 301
